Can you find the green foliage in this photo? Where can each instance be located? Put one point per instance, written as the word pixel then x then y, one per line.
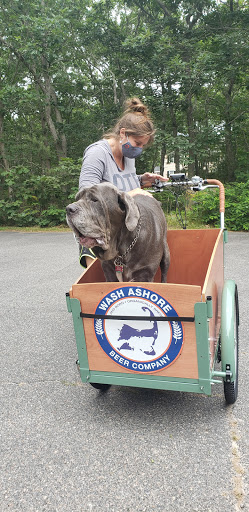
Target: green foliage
pixel 32 199
pixel 39 200
pixel 205 206
pixel 167 200
pixel 176 204
pixel 201 209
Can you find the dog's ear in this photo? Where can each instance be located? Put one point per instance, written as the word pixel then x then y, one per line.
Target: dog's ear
pixel 79 194
pixel 128 204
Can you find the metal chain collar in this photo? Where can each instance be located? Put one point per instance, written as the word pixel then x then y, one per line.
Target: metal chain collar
pixel 119 259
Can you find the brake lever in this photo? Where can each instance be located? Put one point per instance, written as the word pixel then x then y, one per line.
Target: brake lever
pixel 203 187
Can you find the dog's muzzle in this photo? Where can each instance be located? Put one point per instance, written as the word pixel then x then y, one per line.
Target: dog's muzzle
pixel 83 238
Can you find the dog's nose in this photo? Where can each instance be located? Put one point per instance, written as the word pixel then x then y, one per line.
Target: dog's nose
pixel 71 208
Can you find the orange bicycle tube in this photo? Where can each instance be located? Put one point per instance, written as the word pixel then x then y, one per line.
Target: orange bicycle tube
pixel 222 192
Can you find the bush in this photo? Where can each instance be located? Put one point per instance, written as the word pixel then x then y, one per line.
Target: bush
pixel 29 199
pixel 205 205
pixel 38 199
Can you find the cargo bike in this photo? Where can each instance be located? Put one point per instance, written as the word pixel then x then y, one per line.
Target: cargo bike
pixel 181 335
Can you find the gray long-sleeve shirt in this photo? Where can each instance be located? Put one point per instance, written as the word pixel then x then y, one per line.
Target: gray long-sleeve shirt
pixel 99 165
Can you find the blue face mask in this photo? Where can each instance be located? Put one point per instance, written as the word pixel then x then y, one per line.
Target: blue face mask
pixel 130 151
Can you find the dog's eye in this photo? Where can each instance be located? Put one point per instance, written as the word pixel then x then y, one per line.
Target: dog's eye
pixel 94 200
pixel 121 204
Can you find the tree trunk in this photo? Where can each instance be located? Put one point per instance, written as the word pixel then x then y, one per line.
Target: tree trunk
pixel 59 121
pixel 174 130
pixel 51 100
pixel 2 148
pixel 163 154
pixel 230 155
pixel 2 145
pixel 45 161
pixel 191 134
pixel 114 83
pixel 123 93
pixel 163 125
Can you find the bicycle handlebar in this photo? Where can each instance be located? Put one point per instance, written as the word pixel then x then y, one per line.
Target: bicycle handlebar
pixel 196 184
pixel 218 183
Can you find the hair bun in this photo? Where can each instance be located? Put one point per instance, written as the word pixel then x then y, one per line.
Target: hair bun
pixel 135 120
pixel 135 105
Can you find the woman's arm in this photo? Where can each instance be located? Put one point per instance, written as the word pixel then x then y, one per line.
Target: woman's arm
pixel 93 167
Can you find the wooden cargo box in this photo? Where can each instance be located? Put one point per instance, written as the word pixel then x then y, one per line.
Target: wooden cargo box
pixel 167 350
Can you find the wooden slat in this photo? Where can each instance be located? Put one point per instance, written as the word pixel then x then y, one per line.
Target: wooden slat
pixel 213 287
pixel 190 252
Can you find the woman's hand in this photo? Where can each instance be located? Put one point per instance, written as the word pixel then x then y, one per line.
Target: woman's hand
pixel 148 178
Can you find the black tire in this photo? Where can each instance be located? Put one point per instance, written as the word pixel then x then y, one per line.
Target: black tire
pixel 102 387
pixel 231 388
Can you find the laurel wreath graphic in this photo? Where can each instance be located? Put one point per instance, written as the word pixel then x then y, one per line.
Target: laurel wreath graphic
pixel 177 331
pixel 99 328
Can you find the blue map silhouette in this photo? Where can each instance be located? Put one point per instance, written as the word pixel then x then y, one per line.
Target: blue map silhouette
pixel 127 332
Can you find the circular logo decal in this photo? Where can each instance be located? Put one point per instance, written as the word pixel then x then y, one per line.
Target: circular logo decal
pixel 137 345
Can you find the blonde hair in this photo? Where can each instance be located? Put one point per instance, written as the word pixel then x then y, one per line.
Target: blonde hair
pixel 135 119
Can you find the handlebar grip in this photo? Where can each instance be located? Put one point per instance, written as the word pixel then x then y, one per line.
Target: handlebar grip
pixel 222 192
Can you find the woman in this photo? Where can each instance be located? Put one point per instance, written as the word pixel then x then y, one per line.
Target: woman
pixel 112 159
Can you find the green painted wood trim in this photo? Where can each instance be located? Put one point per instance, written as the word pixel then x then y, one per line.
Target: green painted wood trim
pixel 202 345
pixel 75 307
pixel 209 303
pixel 148 381
pixel 68 300
pixel 225 236
pixel 216 353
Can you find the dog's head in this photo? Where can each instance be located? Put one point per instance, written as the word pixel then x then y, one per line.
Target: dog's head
pixel 98 215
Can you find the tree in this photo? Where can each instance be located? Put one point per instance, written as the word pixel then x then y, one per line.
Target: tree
pixel 36 37
pixel 69 66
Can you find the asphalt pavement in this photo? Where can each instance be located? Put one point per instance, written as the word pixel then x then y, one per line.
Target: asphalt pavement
pixel 66 447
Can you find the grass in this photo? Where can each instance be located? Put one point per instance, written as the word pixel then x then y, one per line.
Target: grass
pixel 35 229
pixel 173 223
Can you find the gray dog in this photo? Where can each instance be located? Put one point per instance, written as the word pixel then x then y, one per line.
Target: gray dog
pixel 128 234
